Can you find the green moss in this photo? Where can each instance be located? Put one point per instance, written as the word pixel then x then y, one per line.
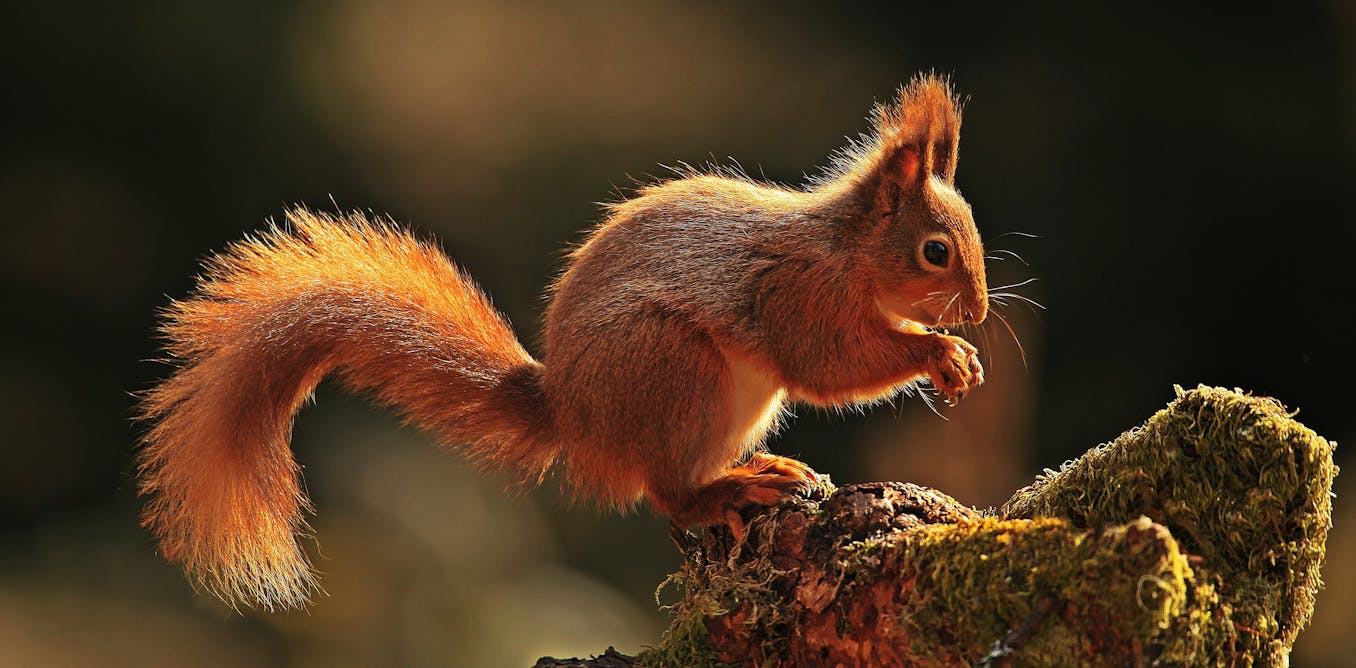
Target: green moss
pixel 974 584
pixel 970 584
pixel 685 642
pixel 713 585
pixel 681 651
pixel 1241 484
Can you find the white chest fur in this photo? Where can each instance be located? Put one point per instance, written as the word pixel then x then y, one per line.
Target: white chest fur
pixel 757 400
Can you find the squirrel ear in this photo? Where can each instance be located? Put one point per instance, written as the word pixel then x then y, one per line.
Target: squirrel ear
pixel 914 139
pixel 898 168
pixel 926 117
pixel 944 154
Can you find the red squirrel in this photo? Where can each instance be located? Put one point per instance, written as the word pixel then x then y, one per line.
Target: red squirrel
pixel 675 338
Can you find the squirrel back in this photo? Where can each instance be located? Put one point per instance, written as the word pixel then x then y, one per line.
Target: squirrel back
pixel 675 338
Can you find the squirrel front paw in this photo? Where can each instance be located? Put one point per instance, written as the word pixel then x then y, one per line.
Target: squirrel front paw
pixel 954 368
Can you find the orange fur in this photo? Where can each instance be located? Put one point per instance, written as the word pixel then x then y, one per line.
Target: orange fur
pixel 673 340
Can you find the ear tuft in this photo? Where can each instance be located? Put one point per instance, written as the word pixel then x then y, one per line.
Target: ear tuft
pixel 912 139
pixel 926 115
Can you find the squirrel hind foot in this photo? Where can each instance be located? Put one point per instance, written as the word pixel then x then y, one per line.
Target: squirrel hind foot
pixel 764 480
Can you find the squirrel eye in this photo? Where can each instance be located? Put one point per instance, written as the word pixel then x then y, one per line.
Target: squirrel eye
pixel 935 252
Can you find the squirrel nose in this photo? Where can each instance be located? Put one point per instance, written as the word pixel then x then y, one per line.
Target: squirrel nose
pixel 975 314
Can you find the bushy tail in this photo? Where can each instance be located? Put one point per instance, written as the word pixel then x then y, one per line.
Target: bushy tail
pixel 271 317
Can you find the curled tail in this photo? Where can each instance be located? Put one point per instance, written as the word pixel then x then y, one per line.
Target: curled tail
pixel 271 317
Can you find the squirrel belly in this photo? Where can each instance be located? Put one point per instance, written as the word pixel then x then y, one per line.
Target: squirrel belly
pixel 674 339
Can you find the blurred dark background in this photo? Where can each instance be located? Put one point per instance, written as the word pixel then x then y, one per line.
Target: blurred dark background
pixel 1188 173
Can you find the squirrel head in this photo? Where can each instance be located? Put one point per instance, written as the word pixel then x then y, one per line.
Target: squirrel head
pixel 916 235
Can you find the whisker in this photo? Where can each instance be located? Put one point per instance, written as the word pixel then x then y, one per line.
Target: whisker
pixel 927 401
pixel 930 297
pixel 942 316
pixel 1024 298
pixel 1020 349
pixel 1009 286
pixel 1014 254
pixel 1015 234
pixel 988 349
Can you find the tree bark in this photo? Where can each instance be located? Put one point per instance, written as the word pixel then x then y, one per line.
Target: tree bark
pixel 1194 539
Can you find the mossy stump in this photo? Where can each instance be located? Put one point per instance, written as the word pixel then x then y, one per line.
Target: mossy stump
pixel 1193 540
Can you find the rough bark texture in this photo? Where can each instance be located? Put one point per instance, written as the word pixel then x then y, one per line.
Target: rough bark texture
pixel 1193 540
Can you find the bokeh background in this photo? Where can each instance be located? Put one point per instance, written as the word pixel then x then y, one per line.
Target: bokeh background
pixel 1188 172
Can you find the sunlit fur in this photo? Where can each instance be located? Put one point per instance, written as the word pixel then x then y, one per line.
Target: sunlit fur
pixel 271 317
pixel 674 339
